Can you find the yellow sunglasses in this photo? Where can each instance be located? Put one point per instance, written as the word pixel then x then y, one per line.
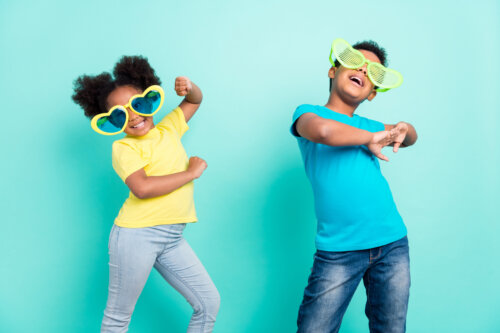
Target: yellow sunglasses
pixel 115 120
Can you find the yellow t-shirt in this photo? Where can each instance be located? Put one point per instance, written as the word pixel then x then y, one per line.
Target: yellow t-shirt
pixel 159 152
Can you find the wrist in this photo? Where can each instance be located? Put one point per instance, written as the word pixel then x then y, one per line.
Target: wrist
pixel 190 175
pixel 192 100
pixel 369 138
pixel 194 96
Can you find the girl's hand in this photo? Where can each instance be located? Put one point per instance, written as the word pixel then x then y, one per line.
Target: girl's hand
pixel 183 85
pixel 196 166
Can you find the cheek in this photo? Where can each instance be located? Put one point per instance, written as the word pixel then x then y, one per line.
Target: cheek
pixel 149 122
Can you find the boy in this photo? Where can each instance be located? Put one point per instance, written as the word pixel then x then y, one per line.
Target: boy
pixel 360 234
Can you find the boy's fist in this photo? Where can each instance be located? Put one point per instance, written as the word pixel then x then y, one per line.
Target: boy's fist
pixel 196 166
pixel 183 85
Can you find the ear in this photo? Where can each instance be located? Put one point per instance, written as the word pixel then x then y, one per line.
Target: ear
pixel 372 95
pixel 331 72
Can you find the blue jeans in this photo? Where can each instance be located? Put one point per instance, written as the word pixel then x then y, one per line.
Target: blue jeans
pixel 132 255
pixel 335 276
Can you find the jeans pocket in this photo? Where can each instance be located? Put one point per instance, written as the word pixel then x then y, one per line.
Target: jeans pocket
pixel 329 255
pixel 114 229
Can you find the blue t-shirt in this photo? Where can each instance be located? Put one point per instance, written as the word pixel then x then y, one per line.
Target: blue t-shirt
pixel 353 201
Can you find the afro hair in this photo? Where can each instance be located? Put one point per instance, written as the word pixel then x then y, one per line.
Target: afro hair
pixel 91 92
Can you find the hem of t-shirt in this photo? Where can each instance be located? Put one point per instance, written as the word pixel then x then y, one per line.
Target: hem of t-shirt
pixel 359 247
pixel 155 223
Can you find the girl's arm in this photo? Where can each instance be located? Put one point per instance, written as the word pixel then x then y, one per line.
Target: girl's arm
pixel 144 186
pixel 192 101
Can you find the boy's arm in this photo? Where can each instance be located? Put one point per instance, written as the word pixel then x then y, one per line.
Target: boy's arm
pixel 407 134
pixel 192 101
pixel 334 133
pixel 144 186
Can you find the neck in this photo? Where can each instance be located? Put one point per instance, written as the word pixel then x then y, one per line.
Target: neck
pixel 337 104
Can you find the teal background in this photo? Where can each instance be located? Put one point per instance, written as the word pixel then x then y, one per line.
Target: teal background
pixel 255 62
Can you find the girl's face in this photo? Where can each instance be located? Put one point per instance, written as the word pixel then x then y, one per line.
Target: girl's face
pixel 137 125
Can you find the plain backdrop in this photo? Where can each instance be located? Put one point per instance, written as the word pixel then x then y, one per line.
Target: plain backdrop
pixel 255 62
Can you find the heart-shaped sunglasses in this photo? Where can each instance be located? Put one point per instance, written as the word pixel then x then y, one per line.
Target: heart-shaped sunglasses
pixel 115 120
pixel 382 77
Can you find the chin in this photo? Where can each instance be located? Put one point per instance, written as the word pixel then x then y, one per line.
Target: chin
pixel 353 96
pixel 358 93
pixel 143 132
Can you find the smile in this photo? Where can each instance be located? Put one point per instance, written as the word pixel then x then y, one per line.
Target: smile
pixel 139 125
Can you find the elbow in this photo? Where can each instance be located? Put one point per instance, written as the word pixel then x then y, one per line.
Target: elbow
pixel 321 133
pixel 140 192
pixel 139 184
pixel 413 136
pixel 412 140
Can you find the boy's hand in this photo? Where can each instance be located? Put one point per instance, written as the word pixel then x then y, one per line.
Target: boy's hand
pixel 183 85
pixel 196 166
pixel 379 141
pixel 400 130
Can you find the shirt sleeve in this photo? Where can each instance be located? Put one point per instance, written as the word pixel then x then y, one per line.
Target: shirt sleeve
pixel 379 126
pixel 175 121
pixel 126 159
pixel 296 115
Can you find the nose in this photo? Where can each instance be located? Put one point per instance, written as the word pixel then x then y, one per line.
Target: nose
pixel 132 115
pixel 362 69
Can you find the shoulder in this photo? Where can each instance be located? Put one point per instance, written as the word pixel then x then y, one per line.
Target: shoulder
pixel 174 121
pixel 174 116
pixel 125 141
pixel 125 144
pixel 299 111
pixel 305 108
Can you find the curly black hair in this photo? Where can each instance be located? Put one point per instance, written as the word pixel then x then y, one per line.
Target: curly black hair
pixel 91 92
pixel 367 45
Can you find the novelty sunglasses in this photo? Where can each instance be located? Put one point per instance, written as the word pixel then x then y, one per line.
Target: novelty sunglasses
pixel 115 120
pixel 382 77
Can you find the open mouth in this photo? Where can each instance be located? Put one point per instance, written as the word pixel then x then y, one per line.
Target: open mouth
pixel 358 81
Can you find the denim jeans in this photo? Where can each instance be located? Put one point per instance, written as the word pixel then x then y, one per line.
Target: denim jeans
pixel 132 254
pixel 335 276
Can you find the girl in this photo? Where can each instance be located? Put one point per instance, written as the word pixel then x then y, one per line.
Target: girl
pixel 152 162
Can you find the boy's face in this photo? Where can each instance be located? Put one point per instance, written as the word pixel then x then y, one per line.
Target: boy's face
pixel 137 125
pixel 353 85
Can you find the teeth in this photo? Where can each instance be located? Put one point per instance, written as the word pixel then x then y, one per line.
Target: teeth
pixel 357 80
pixel 139 124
